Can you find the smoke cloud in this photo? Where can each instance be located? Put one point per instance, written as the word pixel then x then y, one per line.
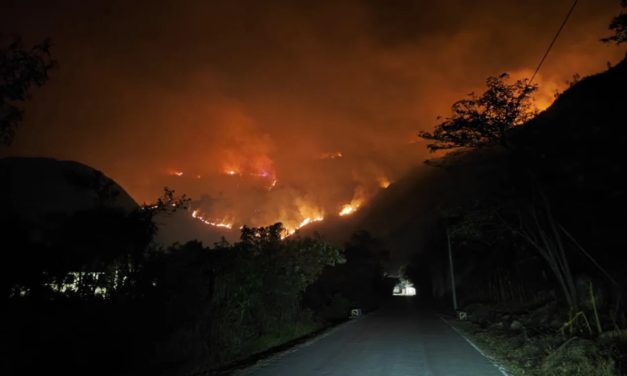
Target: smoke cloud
pixel 278 110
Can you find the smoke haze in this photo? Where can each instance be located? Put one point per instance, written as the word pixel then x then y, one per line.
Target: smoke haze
pixel 278 110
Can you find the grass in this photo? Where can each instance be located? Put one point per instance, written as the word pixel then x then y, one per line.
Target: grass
pixel 547 354
pixel 500 348
pixel 250 351
pixel 284 334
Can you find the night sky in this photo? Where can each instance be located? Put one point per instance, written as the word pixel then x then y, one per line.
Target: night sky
pixel 278 110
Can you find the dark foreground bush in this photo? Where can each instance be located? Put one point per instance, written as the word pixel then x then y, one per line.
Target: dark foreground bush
pixel 174 311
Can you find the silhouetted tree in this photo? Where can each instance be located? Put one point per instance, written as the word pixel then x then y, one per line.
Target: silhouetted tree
pixel 168 203
pixel 102 239
pixel 358 283
pixel 222 299
pixel 20 69
pixel 618 26
pixel 485 120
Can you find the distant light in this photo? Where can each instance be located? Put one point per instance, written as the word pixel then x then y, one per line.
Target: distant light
pixel 404 288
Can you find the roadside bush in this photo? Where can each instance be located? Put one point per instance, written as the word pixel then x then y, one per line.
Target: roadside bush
pixel 578 357
pixel 187 308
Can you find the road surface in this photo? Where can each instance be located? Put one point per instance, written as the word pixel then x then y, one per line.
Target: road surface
pixel 398 340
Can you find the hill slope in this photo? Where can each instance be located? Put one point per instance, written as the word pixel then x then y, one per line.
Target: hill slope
pixel 575 146
pixel 37 189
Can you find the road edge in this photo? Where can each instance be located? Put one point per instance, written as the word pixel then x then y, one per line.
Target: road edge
pixel 293 346
pixel 491 359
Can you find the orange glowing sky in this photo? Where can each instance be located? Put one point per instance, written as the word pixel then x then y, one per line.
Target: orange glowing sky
pixel 278 110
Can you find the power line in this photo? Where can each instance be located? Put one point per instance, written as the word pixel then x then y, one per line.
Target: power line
pixel 546 53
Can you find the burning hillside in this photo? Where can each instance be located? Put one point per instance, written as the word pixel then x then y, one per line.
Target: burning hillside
pixel 294 211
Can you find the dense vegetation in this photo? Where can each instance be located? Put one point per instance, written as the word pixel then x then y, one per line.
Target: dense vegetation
pixel 90 292
pixel 93 294
pixel 536 241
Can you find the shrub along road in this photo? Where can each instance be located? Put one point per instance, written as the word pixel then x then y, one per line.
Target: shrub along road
pixel 399 339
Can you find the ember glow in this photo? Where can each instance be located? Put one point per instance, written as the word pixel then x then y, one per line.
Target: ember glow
pixel 263 174
pixel 273 184
pixel 250 165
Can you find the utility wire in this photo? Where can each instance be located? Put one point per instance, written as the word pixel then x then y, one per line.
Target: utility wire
pixel 546 53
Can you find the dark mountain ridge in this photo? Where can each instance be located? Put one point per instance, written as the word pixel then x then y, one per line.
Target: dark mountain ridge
pixel 36 189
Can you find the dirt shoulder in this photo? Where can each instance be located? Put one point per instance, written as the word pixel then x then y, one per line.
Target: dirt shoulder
pixel 530 343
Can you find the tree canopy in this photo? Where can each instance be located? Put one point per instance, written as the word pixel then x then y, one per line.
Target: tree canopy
pixel 619 26
pixel 485 120
pixel 20 69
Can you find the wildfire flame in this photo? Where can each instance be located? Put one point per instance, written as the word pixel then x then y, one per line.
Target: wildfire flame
pixel 267 175
pixel 348 209
pixel 224 223
pixel 307 211
pixel 331 155
pixel 175 173
pixel 307 221
pixel 303 223
pixel 358 198
pixel 383 182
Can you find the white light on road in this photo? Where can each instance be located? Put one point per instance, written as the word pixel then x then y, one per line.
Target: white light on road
pixel 404 288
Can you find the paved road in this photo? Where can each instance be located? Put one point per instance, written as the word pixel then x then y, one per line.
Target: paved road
pixel 400 339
